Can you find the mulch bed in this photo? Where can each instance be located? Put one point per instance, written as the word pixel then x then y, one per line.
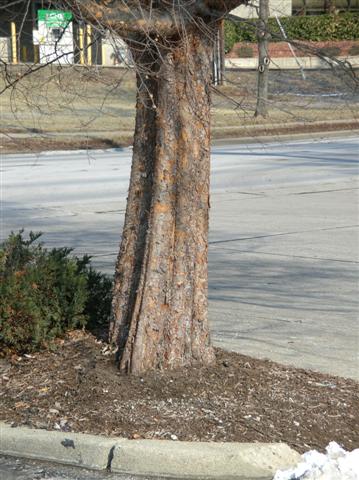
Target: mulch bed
pixel 35 145
pixel 77 388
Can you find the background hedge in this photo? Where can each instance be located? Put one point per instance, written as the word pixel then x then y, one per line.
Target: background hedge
pixel 314 28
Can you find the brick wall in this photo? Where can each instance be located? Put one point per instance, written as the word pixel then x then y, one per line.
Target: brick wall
pixel 280 49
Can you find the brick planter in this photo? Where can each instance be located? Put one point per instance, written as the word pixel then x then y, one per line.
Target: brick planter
pixel 343 48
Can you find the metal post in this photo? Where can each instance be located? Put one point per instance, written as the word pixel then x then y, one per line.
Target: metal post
pixel 222 55
pixel 215 61
pixel 263 59
pixel 14 57
pixel 103 52
pixel 89 46
pixel 24 53
pixel 218 56
pixel 81 45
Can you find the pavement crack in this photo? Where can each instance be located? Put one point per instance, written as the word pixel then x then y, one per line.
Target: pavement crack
pixel 312 192
pixel 110 458
pixel 304 257
pixel 280 234
pixel 101 212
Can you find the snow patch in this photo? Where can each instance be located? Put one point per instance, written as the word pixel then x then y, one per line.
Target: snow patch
pixel 335 464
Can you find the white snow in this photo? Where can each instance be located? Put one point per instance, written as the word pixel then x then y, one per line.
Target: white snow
pixel 335 464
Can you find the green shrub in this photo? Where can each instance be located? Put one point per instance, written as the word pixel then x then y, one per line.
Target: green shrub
pixel 44 293
pixel 314 28
pixel 98 305
pixel 230 36
pixel 322 27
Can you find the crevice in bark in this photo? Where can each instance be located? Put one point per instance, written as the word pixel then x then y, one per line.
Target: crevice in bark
pixel 160 293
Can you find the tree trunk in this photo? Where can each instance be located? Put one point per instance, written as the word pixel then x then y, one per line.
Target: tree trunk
pixel 263 60
pixel 160 294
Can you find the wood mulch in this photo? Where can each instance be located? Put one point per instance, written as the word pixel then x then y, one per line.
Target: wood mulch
pixel 77 388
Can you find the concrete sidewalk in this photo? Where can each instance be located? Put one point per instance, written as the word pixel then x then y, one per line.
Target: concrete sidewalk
pixel 159 458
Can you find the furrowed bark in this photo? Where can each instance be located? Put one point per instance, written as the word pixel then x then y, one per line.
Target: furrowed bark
pixel 160 297
pixel 130 258
pixel 263 59
pixel 147 17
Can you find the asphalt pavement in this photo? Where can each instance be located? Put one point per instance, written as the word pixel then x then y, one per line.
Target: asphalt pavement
pixel 283 257
pixel 12 468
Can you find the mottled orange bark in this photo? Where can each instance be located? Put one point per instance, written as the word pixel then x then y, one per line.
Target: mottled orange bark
pixel 160 297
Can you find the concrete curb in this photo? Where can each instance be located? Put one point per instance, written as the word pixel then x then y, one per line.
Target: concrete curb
pixel 209 460
pixel 158 458
pixel 292 137
pixel 89 451
pixel 290 63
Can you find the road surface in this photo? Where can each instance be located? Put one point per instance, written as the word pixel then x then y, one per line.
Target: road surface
pixel 284 239
pixel 12 468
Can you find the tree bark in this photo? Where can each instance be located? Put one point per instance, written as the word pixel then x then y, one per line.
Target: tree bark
pixel 160 294
pixel 263 60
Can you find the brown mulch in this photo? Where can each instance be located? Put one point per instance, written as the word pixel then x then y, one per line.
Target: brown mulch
pixel 35 145
pixel 77 388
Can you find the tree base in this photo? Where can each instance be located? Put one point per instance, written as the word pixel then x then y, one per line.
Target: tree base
pixel 160 296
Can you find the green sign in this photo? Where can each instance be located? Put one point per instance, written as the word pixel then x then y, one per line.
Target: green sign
pixel 54 18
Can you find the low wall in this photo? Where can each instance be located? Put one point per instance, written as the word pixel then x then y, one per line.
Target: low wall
pixel 5 49
pixel 290 63
pixel 343 48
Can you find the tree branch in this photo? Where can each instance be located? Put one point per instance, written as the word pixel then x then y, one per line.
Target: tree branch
pixel 123 18
pixel 141 17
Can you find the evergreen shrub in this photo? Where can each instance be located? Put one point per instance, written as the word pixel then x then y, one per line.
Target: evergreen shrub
pixel 45 292
pixel 315 28
pixel 230 35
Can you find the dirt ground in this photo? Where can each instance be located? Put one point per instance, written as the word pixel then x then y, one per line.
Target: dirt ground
pixel 255 134
pixel 76 387
pixel 94 108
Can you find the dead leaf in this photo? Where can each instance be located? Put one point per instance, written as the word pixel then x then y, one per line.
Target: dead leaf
pixel 20 405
